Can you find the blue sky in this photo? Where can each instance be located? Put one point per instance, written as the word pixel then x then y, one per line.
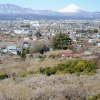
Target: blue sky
pixel 55 5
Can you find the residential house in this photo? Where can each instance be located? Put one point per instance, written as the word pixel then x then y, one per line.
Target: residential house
pixel 26 45
pixel 12 49
pixel 96 36
pixel 75 55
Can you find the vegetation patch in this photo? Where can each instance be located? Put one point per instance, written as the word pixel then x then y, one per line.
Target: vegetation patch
pixel 3 76
pixel 77 66
pixel 96 97
pixel 51 56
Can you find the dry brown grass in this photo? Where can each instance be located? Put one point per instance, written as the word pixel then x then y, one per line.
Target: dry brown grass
pixel 55 87
pixel 18 66
pixel 46 63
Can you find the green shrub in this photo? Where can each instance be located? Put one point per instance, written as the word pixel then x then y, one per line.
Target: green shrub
pixel 45 56
pixel 29 35
pixel 40 70
pixel 78 67
pixel 23 75
pixel 47 71
pixel 96 97
pixel 31 56
pixel 60 72
pixel 3 76
pixel 51 56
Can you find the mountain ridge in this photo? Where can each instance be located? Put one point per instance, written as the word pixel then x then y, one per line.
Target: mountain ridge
pixel 12 11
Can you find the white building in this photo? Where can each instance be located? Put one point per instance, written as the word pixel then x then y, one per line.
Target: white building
pixel 35 23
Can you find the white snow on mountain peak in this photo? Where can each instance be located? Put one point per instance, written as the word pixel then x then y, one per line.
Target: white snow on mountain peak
pixel 71 8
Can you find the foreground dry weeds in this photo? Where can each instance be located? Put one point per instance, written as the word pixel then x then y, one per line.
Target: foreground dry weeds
pixel 55 87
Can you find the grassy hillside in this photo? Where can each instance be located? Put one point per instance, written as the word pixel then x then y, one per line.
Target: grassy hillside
pixel 39 86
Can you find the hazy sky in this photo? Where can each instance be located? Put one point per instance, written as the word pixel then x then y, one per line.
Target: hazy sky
pixel 55 5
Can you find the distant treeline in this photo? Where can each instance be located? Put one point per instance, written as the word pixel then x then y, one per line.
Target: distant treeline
pixel 87 31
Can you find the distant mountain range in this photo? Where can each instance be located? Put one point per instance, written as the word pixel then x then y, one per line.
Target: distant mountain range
pixel 71 12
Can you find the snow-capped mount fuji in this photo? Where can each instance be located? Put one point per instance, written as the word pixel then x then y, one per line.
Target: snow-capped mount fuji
pixel 72 8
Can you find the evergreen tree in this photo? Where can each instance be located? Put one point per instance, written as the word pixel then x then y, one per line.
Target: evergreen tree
pixel 60 41
pixel 23 54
